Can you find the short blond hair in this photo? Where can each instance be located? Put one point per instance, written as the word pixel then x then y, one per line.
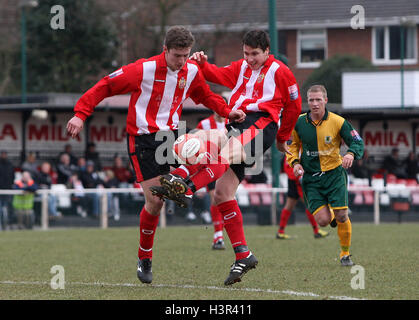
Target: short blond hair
pixel 318 88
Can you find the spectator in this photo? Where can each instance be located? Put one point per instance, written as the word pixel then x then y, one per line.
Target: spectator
pixel 44 181
pixel 412 166
pixel 78 199
pixel 393 165
pixel 6 182
pixel 23 203
pixel 90 179
pixel 64 169
pixel 121 172
pixel 113 200
pixel 30 164
pixel 93 155
pixel 363 168
pixel 81 165
pixel 69 150
pixel 124 174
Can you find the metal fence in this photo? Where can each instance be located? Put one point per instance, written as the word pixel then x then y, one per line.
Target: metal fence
pixel 402 194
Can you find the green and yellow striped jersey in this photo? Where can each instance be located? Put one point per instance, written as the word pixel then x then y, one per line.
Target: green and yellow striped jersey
pixel 317 145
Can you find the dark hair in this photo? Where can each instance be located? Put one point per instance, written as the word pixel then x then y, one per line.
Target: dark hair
pixel 179 37
pixel 257 39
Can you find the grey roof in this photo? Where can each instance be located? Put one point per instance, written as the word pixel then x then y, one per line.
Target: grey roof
pixel 238 14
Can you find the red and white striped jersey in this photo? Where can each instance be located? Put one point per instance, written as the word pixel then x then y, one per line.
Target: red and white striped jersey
pixel 157 94
pixel 210 123
pixel 271 89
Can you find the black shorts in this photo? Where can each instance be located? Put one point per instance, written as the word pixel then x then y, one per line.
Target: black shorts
pixel 257 134
pixel 294 189
pixel 142 154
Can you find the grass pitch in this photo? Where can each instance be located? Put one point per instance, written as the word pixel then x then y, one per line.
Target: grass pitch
pixel 101 264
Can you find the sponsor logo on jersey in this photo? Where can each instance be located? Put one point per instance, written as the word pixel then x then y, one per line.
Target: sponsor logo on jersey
pixel 261 77
pixel 293 91
pixel 356 135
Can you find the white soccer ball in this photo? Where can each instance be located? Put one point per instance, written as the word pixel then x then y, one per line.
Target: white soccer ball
pixel 189 149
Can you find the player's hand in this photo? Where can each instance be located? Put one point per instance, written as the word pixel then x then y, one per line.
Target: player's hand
pixel 347 161
pixel 236 116
pixel 298 170
pixel 199 57
pixel 283 147
pixel 74 126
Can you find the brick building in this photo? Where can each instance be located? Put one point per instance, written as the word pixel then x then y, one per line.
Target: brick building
pixel 310 31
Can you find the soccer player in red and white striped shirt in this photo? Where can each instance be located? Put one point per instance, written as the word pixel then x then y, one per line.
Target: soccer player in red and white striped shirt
pixel 266 90
pixel 158 85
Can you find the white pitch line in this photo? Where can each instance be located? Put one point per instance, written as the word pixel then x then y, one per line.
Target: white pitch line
pixel 283 292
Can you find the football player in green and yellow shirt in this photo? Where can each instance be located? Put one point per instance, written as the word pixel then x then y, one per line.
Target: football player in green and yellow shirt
pixel 315 155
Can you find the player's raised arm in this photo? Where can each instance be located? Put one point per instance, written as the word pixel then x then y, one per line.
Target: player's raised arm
pixel 121 81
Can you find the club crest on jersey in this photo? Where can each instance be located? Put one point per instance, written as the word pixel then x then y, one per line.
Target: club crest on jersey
pixel 261 77
pixel 182 83
pixel 328 139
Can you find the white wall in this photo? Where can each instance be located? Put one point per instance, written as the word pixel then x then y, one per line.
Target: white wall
pixel 381 89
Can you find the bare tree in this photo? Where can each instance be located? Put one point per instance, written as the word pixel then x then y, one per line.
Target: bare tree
pixel 141 25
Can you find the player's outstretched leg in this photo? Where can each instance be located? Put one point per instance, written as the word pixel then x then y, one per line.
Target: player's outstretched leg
pixel 175 183
pixel 163 192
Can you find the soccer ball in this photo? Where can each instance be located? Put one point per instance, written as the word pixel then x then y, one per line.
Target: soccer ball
pixel 189 149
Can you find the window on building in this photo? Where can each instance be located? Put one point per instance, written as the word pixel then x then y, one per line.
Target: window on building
pixel 387 45
pixel 311 47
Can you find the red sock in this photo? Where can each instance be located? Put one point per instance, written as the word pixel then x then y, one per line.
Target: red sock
pixel 217 219
pixel 186 171
pixel 233 224
pixel 285 215
pixel 209 173
pixel 148 226
pixel 312 221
